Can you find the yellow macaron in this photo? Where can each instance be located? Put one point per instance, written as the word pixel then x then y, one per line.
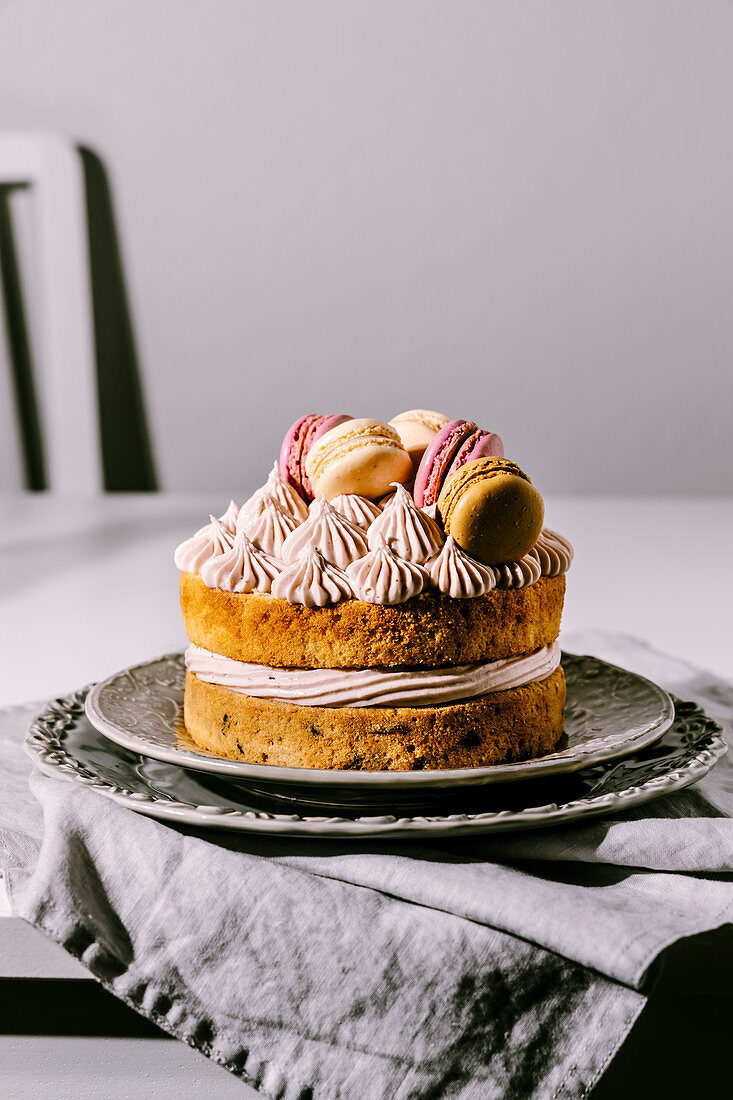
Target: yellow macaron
pixel 492 510
pixel 361 456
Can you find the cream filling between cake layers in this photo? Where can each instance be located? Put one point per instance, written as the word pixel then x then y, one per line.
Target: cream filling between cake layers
pixel 371 687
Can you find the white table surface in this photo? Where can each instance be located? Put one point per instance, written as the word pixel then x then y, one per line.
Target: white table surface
pixel 89 586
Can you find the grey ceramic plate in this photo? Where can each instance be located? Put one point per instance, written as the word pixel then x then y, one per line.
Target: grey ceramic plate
pixel 610 713
pixel 64 744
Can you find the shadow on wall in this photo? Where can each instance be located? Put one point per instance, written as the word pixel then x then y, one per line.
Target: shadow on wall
pixel 127 455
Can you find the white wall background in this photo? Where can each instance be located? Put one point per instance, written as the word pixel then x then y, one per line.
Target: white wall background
pixel 519 211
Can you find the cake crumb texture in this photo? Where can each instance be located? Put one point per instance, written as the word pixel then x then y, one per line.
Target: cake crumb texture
pixel 428 631
pixel 497 728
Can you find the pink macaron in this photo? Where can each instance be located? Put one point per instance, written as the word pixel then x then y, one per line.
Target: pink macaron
pixel 481 444
pixel 459 442
pixel 298 441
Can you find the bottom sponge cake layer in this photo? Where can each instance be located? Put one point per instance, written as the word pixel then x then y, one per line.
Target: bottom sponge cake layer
pixel 497 728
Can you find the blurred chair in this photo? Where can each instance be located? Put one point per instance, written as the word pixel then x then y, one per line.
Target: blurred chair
pixel 76 386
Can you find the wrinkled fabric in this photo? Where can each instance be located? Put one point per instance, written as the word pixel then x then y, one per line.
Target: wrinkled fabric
pixel 510 965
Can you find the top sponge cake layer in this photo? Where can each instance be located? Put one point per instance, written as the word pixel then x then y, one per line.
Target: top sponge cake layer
pixel 431 630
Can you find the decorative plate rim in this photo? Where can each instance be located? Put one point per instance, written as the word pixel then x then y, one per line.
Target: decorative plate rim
pixel 564 761
pixel 44 744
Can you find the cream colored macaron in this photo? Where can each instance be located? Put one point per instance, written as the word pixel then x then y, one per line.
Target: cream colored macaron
pixel 360 456
pixel 416 428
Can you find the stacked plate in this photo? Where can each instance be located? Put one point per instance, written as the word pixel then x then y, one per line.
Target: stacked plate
pixel 626 742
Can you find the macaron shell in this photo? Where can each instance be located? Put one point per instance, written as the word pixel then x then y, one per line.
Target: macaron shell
pixel 298 441
pixel 326 423
pixel 366 469
pixel 478 470
pixel 481 444
pixel 437 459
pixel 319 427
pixel 429 418
pixel 291 450
pixel 495 517
pixel 416 438
pixel 363 457
pixel 417 428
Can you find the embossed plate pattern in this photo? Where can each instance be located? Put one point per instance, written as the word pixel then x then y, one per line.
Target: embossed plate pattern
pixel 65 745
pixel 610 713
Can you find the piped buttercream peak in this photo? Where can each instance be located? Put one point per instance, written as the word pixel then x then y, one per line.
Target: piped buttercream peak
pixel 312 581
pixel 241 568
pixel 406 529
pixel 384 578
pixel 209 541
pixel 326 530
pixel 454 573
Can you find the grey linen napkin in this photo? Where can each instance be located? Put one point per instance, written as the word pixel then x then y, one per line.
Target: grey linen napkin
pixel 505 966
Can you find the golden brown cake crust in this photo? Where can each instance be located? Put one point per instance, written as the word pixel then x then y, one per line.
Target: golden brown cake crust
pixel 490 729
pixel 429 631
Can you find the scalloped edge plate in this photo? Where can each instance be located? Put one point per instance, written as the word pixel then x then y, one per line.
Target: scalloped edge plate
pixel 700 737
